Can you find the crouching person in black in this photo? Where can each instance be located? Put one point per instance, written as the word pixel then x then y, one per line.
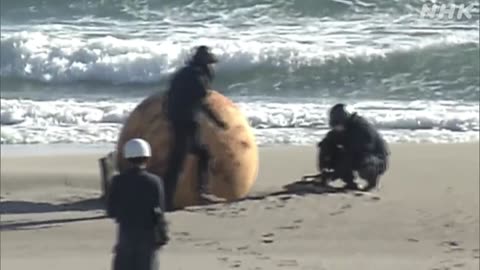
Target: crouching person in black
pixel 353 145
pixel 136 203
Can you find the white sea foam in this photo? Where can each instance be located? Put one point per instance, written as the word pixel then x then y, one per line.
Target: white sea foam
pixel 65 57
pixel 70 121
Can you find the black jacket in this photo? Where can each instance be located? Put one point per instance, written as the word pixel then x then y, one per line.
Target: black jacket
pixel 187 92
pixel 188 86
pixel 359 139
pixel 137 203
pixel 362 138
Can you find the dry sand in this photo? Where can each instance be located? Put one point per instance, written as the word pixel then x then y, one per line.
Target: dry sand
pixel 427 217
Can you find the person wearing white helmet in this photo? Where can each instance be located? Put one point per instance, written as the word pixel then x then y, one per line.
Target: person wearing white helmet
pixel 353 145
pixel 137 149
pixel 137 203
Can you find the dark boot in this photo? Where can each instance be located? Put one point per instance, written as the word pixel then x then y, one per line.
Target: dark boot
pixel 324 178
pixel 371 183
pixel 350 184
pixel 371 170
pixel 370 175
pixel 205 195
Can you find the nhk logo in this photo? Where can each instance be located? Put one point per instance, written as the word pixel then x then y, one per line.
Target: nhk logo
pixel 444 11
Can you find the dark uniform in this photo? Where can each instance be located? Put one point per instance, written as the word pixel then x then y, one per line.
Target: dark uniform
pixel 188 89
pixel 359 147
pixel 136 202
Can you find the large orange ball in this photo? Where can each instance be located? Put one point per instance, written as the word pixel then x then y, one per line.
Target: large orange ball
pixel 233 167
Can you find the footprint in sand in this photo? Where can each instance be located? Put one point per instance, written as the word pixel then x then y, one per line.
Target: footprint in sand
pixel 254 253
pixel 292 227
pixel 342 210
pixel 277 202
pixel 222 259
pixel 233 264
pixel 207 244
pixel 413 240
pixel 287 263
pixel 267 238
pixel 371 196
pixel 263 258
pixel 236 264
pixel 242 248
pixel 224 249
pixel 450 243
pixel 453 246
pixel 449 265
pixel 295 225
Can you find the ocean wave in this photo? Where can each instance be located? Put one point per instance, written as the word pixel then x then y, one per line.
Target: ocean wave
pixel 62 121
pixel 448 59
pixel 275 51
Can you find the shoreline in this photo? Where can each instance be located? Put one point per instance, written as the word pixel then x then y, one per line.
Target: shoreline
pixel 19 150
pixel 25 150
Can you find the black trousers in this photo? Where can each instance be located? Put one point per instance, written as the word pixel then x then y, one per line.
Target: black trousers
pixel 185 141
pixel 135 251
pixel 369 167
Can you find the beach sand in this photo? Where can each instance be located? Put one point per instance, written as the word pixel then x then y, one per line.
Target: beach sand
pixel 427 217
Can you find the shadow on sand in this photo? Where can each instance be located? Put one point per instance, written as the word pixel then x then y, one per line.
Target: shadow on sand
pixel 26 207
pixel 44 224
pixel 297 188
pixel 300 188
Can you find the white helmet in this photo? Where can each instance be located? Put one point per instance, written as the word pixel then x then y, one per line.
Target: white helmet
pixel 137 147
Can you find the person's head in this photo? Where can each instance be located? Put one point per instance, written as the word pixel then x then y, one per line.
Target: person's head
pixel 203 56
pixel 338 116
pixel 137 151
